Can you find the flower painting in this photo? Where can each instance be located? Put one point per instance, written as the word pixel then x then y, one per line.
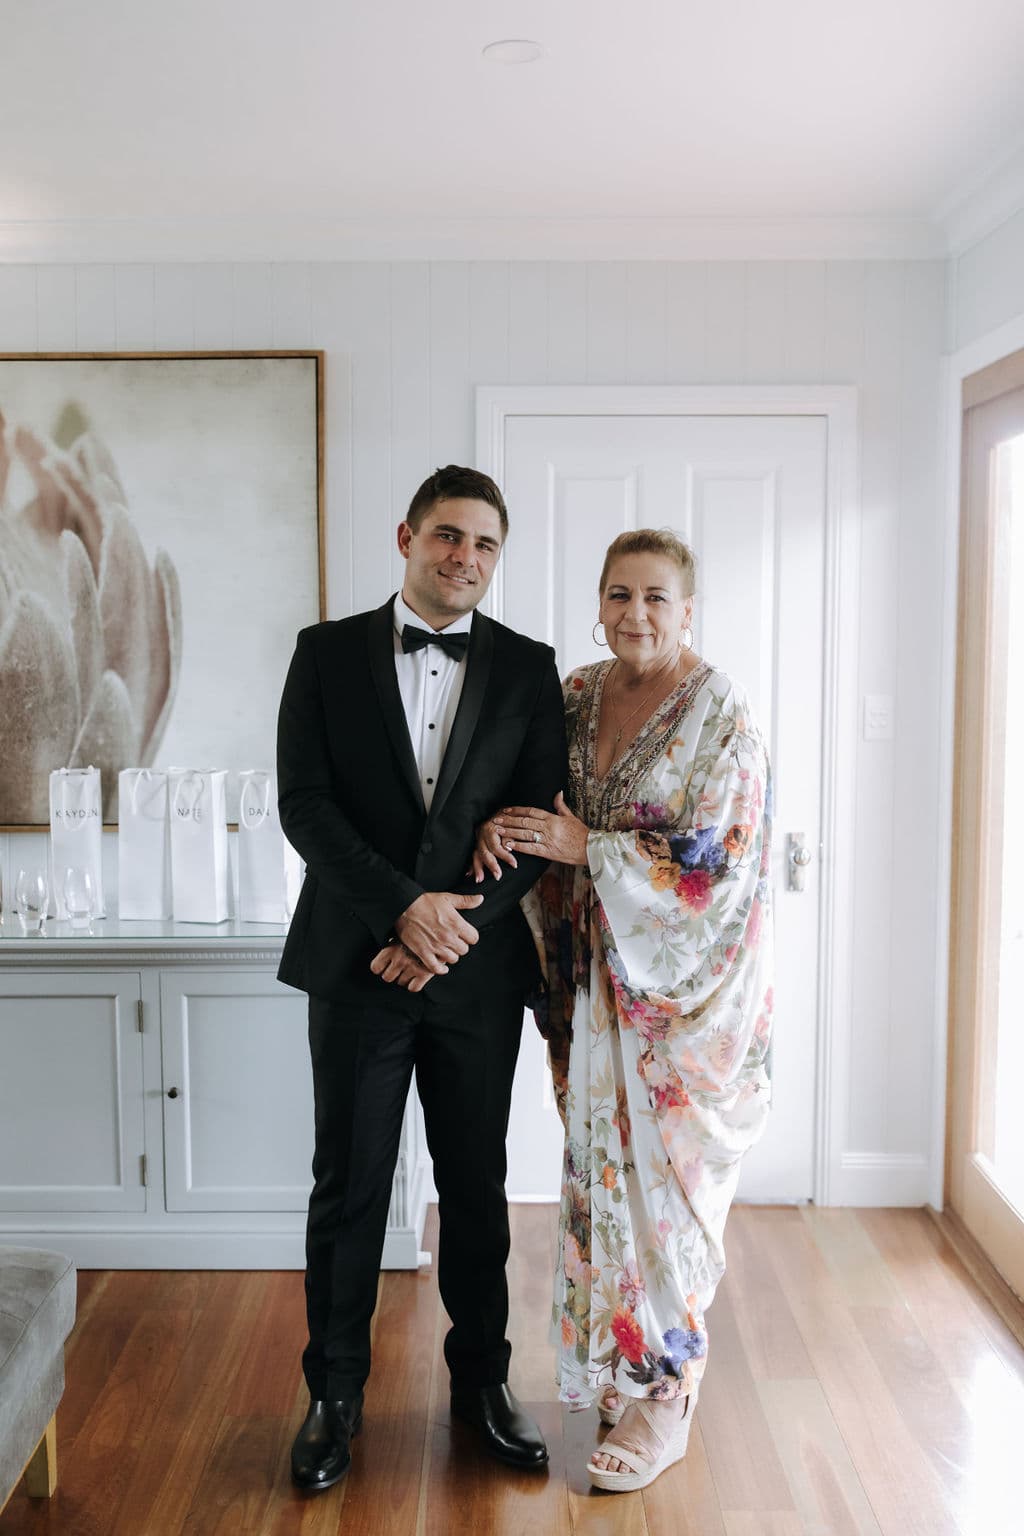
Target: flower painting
pixel 159 549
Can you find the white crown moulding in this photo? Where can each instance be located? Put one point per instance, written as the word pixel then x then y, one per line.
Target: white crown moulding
pixel 497 239
pixel 973 213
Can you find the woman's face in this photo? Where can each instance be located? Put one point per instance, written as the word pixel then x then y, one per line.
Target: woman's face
pixel 643 609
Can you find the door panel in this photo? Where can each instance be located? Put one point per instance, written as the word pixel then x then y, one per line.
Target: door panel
pixel 748 494
pixel 71 1131
pixel 238 1130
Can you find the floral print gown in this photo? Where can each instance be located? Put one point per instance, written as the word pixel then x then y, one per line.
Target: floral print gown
pixel 658 1016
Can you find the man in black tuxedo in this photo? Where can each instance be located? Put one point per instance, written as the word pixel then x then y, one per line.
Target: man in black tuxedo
pixel 400 731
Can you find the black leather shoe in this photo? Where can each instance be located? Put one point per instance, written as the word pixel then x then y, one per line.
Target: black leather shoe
pixel 320 1453
pixel 507 1432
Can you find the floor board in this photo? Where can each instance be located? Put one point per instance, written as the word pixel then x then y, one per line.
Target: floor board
pixel 859 1384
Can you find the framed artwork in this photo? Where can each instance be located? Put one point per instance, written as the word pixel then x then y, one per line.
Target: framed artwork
pixel 161 544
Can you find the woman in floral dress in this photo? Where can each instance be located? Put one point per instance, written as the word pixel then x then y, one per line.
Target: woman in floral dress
pixel 656 930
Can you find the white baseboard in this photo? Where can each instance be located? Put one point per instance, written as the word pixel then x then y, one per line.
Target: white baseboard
pixel 881 1178
pixel 198 1250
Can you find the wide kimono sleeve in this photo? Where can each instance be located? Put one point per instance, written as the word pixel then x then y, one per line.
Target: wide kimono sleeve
pixel 682 906
pixel 558 920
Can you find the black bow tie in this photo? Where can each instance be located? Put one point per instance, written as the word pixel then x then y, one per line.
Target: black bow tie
pixel 414 639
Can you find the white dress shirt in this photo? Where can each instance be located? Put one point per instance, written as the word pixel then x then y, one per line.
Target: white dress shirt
pixel 430 683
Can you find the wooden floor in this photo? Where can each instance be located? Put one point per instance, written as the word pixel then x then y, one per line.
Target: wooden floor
pixel 858 1382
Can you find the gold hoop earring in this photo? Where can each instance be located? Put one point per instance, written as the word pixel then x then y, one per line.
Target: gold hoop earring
pixel 687 643
pixel 596 640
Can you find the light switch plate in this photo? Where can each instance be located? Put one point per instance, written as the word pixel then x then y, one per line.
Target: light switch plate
pixel 878 717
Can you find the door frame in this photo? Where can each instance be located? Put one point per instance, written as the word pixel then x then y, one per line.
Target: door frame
pixel 985 350
pixel 838 1177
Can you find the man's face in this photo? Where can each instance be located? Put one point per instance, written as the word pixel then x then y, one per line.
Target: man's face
pixel 451 559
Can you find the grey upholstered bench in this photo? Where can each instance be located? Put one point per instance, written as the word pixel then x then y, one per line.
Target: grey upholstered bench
pixel 37 1309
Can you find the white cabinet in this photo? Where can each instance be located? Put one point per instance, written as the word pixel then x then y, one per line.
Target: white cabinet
pixel 71 1122
pixel 238 1092
pixel 156 1103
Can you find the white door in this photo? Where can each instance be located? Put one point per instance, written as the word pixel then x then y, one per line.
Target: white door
pixel 748 493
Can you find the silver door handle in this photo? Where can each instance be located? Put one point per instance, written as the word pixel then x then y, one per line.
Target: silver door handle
pixel 798 856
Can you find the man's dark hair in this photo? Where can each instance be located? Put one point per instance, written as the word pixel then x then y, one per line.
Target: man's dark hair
pixel 451 482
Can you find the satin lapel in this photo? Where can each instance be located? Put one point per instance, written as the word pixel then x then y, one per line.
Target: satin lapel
pixel 478 670
pixel 381 645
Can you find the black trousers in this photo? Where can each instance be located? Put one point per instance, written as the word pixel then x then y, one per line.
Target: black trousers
pixel 364 1052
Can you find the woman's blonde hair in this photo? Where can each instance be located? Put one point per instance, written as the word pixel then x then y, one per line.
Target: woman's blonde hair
pixel 652 541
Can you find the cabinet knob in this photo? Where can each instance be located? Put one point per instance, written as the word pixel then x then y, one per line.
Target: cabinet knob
pixel 172 1093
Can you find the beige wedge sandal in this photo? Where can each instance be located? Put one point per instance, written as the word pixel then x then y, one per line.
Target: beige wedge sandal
pixel 642 1471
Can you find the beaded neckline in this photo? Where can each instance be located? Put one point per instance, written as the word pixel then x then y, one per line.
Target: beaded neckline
pixel 603 795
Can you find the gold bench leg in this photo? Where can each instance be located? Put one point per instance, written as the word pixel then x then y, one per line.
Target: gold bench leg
pixel 41 1472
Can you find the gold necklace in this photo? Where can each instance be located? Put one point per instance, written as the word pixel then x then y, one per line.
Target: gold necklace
pixel 650 692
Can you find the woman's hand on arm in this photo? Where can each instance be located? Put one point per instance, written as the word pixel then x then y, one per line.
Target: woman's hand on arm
pixel 560 838
pixel 490 853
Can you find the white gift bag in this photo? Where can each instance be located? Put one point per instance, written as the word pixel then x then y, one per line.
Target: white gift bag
pixel 143 851
pixel 199 844
pixel 76 833
pixel 262 851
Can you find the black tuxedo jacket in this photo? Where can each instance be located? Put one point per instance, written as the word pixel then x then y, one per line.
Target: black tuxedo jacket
pixel 351 804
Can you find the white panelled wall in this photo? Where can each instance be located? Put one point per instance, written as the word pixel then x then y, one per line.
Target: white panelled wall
pixel 406 345
pixel 987 284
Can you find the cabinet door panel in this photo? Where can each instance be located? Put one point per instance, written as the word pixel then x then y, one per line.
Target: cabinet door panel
pixel 238 1130
pixel 71 1128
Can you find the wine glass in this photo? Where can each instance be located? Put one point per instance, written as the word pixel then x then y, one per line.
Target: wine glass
pixel 31 893
pixel 79 897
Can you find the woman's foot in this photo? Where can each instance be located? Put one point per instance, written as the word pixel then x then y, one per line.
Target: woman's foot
pixel 640 1438
pixel 610 1406
pixel 653 1435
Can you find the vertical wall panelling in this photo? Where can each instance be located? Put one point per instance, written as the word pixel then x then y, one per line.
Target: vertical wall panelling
pixel 766 321
pixel 990 282
pixel 567 323
pixel 290 306
pixel 175 319
pixel 606 322
pixel 489 320
pixel 805 321
pixel 18 309
pixel 726 309
pixel 406 343
pixel 451 378
pixel 55 296
pixel 687 321
pixel 880 467
pixel 134 308
pixel 410 391
pixel 95 325
pixel 251 305
pixel 213 303
pixel 918 682
pixel 843 360
pixel 646 323
pixel 333 332
pixel 360 297
pixel 527 322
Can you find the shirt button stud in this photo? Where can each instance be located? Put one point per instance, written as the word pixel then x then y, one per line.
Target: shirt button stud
pixel 430 727
pixel 430 781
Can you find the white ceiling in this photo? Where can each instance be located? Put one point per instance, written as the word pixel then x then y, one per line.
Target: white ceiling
pixel 215 128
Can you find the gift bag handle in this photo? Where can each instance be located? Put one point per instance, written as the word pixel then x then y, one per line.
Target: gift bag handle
pixel 262 811
pixel 83 775
pixel 133 793
pixel 193 777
